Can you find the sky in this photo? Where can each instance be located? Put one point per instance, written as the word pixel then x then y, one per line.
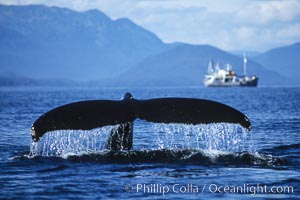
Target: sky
pixel 232 25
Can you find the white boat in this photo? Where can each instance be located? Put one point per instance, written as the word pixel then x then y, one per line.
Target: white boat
pixel 218 77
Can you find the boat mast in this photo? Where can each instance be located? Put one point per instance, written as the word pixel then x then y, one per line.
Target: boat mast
pixel 210 68
pixel 245 64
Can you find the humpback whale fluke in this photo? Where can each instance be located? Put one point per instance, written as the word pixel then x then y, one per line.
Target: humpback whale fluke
pixel 87 115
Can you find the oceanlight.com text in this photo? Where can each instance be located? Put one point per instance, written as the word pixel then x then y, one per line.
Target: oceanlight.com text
pixel 208 188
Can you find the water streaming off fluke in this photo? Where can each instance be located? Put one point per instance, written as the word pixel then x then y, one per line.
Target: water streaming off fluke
pixel 217 136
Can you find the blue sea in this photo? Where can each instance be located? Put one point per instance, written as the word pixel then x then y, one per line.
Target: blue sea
pixel 168 161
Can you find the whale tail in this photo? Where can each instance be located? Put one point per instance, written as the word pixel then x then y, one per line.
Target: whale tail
pixel 87 115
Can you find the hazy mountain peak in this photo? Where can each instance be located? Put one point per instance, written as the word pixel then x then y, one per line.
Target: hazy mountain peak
pixel 96 14
pixel 283 60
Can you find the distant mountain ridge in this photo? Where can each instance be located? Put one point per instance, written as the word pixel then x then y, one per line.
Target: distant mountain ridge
pixel 51 43
pixel 283 60
pixel 48 42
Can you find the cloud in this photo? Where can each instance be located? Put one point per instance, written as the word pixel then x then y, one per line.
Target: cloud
pixel 230 25
pixel 264 12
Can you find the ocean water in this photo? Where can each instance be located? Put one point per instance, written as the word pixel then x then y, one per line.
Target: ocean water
pixel 178 161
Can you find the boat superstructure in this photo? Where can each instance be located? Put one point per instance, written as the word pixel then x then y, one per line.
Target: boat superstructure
pixel 226 77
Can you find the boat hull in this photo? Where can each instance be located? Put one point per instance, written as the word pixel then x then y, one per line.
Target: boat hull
pixel 242 82
pixel 250 82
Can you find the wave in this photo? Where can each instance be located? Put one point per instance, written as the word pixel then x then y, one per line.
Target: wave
pixel 185 156
pixel 168 156
pixel 288 147
pixel 287 150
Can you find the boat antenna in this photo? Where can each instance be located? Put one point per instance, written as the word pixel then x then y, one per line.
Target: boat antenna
pixel 245 64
